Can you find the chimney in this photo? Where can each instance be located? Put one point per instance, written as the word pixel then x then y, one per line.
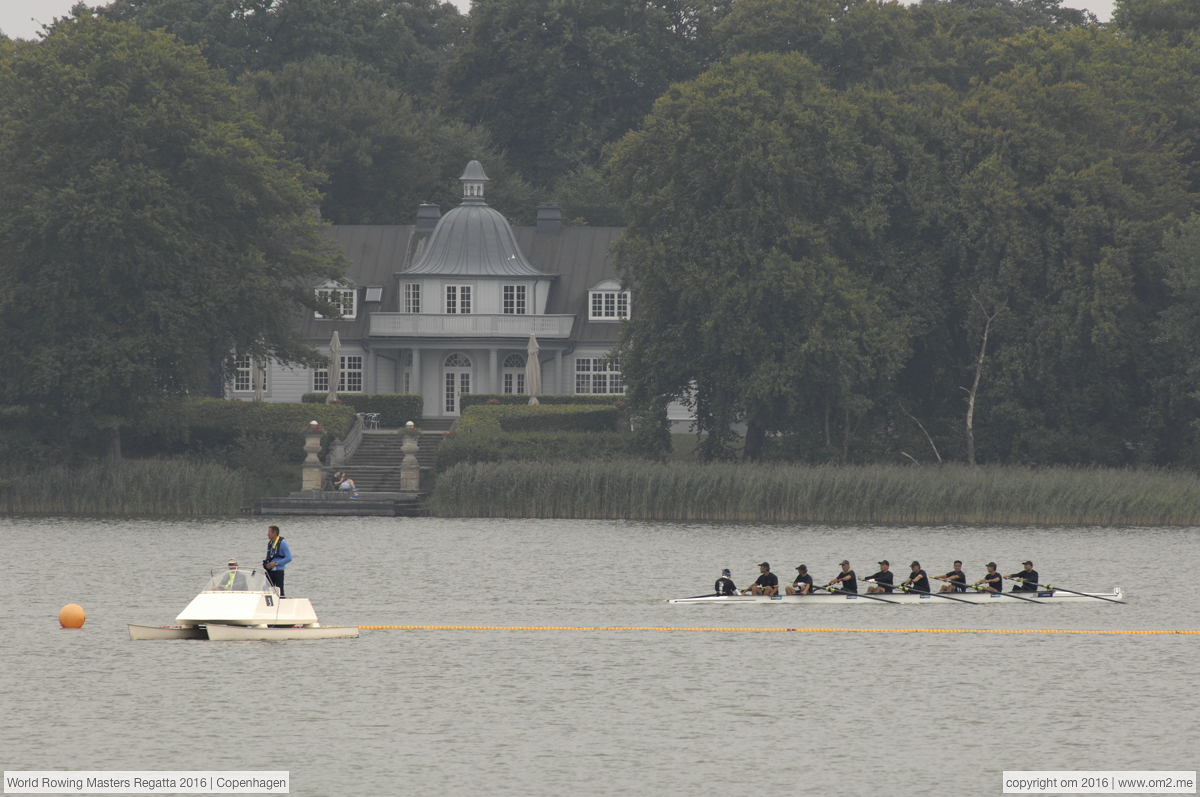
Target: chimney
pixel 427 217
pixel 549 219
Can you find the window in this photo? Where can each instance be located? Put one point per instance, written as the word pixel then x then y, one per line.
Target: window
pixel 345 299
pixel 243 375
pixel 374 294
pixel 514 299
pixel 608 305
pixel 514 374
pixel 598 375
pixel 350 380
pixel 412 297
pixel 458 299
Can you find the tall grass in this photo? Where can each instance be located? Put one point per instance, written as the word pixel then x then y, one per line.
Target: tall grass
pixel 136 487
pixel 795 493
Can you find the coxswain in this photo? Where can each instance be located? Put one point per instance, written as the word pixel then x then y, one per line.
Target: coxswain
pixel 917 579
pixel 882 579
pixel 766 584
pixel 802 585
pixel 847 579
pixel 725 585
pixel 993 581
pixel 956 579
pixel 1028 578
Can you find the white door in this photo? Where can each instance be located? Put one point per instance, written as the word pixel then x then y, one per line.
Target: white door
pixel 457 371
pixel 514 374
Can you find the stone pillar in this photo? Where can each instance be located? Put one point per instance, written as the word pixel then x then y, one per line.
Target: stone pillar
pixel 337 453
pixel 311 470
pixel 495 376
pixel 410 471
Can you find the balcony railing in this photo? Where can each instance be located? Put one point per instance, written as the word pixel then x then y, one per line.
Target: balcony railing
pixel 417 325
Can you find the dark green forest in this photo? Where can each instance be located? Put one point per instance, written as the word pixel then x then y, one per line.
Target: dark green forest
pixel 958 230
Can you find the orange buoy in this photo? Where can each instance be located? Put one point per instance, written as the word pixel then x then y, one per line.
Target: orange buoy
pixel 72 616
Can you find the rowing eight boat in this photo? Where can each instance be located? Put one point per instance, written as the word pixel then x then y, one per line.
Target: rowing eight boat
pixel 1053 596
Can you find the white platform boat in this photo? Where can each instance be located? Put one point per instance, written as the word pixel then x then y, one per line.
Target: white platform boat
pixel 839 598
pixel 241 604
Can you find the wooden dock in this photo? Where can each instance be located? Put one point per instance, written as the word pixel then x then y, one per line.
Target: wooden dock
pixel 374 504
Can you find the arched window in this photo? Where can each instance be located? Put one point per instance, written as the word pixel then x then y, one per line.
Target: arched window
pixel 514 361
pixel 458 360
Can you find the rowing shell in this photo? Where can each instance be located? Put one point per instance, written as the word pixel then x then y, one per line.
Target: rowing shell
pixel 912 597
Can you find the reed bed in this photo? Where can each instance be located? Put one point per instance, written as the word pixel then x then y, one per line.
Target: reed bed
pixel 640 490
pixel 137 487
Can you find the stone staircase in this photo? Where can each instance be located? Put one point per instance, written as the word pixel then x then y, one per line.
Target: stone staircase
pixel 375 465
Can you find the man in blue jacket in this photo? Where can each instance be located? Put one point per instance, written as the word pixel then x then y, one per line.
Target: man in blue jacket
pixel 279 555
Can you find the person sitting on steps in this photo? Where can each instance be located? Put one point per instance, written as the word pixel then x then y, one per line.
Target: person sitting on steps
pixel 343 482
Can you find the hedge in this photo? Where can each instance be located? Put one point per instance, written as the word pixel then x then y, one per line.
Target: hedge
pixel 468 400
pixel 538 418
pixel 395 409
pixel 540 446
pixel 205 424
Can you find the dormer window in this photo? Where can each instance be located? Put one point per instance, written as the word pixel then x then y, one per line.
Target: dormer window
pixel 345 299
pixel 607 302
pixel 412 297
pixel 514 300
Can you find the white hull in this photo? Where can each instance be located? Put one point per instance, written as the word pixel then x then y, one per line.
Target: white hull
pixel 229 633
pixel 914 598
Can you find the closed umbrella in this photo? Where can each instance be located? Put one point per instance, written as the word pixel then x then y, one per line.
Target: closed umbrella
pixel 258 369
pixel 533 371
pixel 335 367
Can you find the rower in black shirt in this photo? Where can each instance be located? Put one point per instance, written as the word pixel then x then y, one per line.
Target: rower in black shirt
pixel 766 584
pixel 1028 578
pixel 883 578
pixel 956 579
pixel 803 583
pixel 918 579
pixel 847 579
pixel 725 585
pixel 993 581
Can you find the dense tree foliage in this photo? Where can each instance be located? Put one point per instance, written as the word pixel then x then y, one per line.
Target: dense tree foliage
pixel 1012 256
pixel 406 40
pixel 555 80
pixel 148 228
pixel 381 156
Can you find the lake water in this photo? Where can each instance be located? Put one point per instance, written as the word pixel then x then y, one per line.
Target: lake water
pixel 594 712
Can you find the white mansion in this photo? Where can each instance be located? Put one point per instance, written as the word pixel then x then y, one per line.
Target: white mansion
pixel 447 306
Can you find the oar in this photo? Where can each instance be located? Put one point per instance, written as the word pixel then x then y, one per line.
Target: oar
pixel 906 587
pixel 1073 592
pixel 868 597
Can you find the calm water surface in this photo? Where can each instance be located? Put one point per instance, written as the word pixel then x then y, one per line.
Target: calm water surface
pixel 594 713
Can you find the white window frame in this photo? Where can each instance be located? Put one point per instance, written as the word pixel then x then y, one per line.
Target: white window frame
pixel 411 300
pixel 458 299
pixel 513 299
pixel 243 374
pixel 346 298
pixel 350 375
pixel 596 376
pixel 608 305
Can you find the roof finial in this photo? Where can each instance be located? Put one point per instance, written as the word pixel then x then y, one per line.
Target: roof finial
pixel 473 179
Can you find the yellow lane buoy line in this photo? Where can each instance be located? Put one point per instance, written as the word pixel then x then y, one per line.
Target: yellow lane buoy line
pixel 799 630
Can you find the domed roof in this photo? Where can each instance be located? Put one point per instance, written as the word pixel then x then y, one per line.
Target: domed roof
pixel 474 239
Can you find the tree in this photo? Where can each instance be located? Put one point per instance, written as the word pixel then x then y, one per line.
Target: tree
pixel 148 228
pixel 761 205
pixel 555 80
pixel 381 156
pixel 406 40
pixel 1176 21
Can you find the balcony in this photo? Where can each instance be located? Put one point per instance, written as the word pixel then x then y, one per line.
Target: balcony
pixel 419 325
